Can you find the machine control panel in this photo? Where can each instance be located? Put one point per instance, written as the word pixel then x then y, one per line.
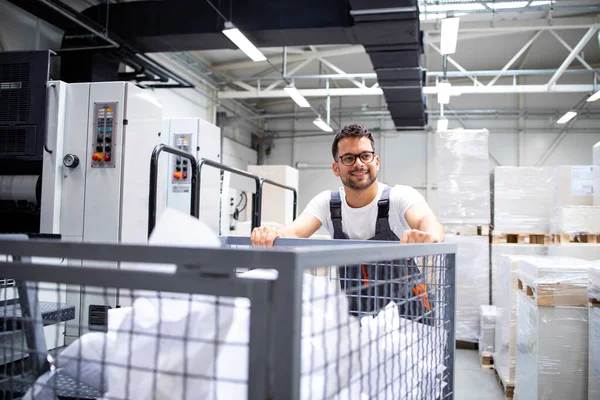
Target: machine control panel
pixel 181 168
pixel 103 143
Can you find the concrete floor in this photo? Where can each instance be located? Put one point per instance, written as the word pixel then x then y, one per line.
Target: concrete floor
pixel 472 382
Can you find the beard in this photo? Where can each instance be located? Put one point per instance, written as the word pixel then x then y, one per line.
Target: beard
pixel 359 183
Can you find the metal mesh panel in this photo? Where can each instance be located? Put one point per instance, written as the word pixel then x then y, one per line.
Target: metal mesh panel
pixel 238 323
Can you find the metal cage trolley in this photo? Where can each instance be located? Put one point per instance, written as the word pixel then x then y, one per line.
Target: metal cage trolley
pixel 197 329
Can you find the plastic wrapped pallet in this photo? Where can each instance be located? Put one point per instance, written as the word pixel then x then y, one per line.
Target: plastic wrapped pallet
pixel 575 219
pixel 596 163
pixel 594 332
pixel 552 329
pixel 574 185
pixel 472 283
pixel 523 199
pixel 506 316
pixel 487 330
pixel 463 180
pixel 584 251
pixel 503 249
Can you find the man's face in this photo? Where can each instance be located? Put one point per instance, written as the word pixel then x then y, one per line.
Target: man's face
pixel 360 175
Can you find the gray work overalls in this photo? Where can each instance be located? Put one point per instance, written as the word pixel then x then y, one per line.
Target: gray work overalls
pixel 399 281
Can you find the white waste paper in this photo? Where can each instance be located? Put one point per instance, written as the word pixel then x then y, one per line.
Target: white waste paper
pixel 145 356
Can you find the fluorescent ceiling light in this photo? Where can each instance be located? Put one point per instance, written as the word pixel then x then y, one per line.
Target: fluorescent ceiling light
pixel 296 96
pixel 442 124
pixel 567 117
pixel 594 97
pixel 242 42
pixel 449 35
pixel 321 124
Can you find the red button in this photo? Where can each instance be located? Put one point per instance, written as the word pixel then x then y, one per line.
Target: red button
pixel 97 157
pixel 177 175
pixel 106 157
pixel 183 176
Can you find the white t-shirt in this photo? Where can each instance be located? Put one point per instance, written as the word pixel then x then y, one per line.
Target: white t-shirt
pixel 359 223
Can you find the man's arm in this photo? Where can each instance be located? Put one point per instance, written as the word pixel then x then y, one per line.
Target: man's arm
pixel 303 227
pixel 425 225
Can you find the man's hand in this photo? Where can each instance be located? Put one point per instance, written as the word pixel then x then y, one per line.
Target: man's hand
pixel 416 236
pixel 264 236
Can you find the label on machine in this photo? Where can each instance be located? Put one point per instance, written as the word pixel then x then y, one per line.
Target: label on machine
pixel 180 167
pixel 103 142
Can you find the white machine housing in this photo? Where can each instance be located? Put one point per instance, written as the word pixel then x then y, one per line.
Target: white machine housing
pixel 201 139
pixel 101 199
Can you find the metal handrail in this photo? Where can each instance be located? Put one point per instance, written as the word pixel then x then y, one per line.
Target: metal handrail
pixel 270 182
pixel 195 182
pixel 255 196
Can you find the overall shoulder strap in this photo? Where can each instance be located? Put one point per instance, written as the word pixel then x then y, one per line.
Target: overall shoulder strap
pixel 383 212
pixel 335 209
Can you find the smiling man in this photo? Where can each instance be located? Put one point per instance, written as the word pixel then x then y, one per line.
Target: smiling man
pixel 363 208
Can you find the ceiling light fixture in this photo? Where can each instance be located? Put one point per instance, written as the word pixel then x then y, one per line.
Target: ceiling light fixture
pixel 242 42
pixel 569 115
pixel 594 97
pixel 322 124
pixel 449 35
pixel 296 96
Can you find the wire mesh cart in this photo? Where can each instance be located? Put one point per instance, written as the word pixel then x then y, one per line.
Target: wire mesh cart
pixel 307 319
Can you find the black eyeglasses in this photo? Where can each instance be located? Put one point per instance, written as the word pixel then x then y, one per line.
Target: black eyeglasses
pixel 349 159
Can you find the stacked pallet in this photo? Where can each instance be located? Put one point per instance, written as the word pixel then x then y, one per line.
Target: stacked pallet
pixel 523 200
pixel 596 162
pixel 487 339
pixel 594 332
pixel 575 221
pixel 463 182
pixel 552 328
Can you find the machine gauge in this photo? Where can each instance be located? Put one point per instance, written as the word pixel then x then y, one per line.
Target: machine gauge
pixel 71 161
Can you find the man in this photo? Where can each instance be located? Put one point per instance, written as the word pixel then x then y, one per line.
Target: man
pixel 366 209
pixel 356 205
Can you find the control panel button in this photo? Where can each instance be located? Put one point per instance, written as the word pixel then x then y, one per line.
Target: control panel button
pixel 177 175
pixel 106 157
pixel 108 139
pixel 97 157
pixel 107 149
pixel 98 148
pixel 183 176
pixel 100 138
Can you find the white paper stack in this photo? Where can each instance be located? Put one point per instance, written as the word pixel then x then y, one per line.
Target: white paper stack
pixel 584 251
pixel 552 329
pixel 575 219
pixel 594 332
pixel 596 162
pixel 487 339
pixel 463 180
pixel 523 198
pixel 472 283
pixel 504 249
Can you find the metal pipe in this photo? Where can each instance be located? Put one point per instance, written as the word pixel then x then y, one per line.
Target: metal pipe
pixel 255 196
pixel 449 74
pixel 376 11
pixel 78 22
pixel 195 182
pixel 293 190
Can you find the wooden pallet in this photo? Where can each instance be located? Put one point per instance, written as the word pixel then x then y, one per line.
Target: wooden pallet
pixel 563 238
pixel 487 361
pixel 468 230
pixel 555 294
pixel 521 238
pixel 507 389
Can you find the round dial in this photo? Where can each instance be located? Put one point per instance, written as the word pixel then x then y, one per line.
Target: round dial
pixel 70 161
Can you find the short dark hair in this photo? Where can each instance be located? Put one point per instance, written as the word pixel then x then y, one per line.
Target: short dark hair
pixel 354 131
